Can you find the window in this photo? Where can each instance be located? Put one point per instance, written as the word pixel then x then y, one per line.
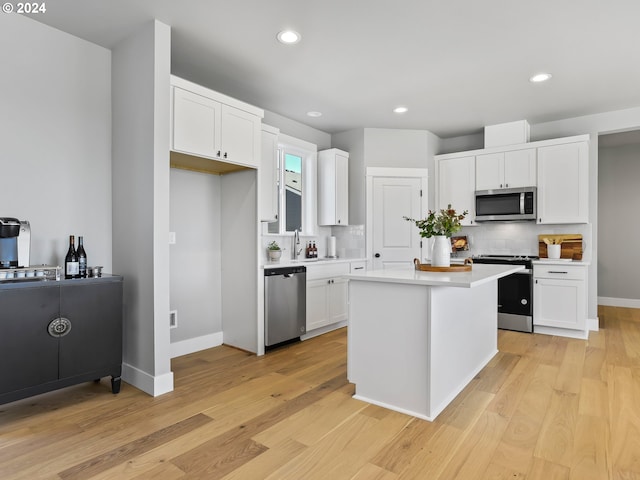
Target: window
pixel 295 164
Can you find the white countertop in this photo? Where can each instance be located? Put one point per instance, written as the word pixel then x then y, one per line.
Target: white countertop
pixel 561 261
pixel 287 262
pixel 480 273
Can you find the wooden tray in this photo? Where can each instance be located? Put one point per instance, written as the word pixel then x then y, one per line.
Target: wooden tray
pixel 425 267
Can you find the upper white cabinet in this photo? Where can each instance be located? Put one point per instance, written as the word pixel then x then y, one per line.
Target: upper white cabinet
pixel 269 174
pixel 558 167
pixel 511 169
pixel 333 187
pixel 455 185
pixel 563 183
pixel 208 124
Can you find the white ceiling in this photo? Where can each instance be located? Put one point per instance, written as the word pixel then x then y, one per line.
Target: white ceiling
pixel 457 64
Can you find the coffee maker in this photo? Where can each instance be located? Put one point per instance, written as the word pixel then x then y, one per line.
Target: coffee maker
pixel 15 243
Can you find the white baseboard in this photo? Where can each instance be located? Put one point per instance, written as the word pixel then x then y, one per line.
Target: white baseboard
pixel 561 332
pixel 619 302
pixel 593 324
pixel 153 385
pixel 323 330
pixel 185 347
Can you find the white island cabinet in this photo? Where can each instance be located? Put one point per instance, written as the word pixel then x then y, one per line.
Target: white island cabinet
pixel 416 339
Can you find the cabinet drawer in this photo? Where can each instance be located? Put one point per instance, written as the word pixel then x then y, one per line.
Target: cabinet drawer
pixel 358 267
pixel 560 272
pixel 327 271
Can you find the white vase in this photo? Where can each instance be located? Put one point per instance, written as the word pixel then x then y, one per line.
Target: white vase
pixel 441 251
pixel 553 251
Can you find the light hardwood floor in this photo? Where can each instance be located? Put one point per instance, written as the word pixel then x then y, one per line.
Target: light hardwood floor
pixel 544 408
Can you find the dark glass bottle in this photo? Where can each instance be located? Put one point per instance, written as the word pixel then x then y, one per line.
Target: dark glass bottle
pixel 82 259
pixel 71 264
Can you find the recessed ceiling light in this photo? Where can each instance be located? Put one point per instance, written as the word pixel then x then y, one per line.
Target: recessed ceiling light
pixel 400 109
pixel 314 114
pixel 288 37
pixel 540 77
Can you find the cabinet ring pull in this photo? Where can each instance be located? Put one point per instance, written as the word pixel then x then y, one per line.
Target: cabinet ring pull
pixel 59 327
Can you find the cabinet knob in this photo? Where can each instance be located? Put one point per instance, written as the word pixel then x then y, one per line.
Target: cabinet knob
pixel 377 255
pixel 500 185
pixel 218 154
pixel 506 185
pixel 225 154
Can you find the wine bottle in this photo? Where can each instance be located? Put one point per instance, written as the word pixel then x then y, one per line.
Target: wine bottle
pixel 82 259
pixel 71 264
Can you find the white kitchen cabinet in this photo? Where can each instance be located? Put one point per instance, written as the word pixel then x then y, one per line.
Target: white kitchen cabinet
pixel 196 124
pixel 510 169
pixel 327 295
pixel 560 297
pixel 563 183
pixel 269 174
pixel 333 187
pixel 455 185
pixel 358 266
pixel 207 124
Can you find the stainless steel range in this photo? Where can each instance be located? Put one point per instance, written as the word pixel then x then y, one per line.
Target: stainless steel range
pixel 515 292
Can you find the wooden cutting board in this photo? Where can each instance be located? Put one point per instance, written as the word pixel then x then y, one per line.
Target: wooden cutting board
pixel 571 246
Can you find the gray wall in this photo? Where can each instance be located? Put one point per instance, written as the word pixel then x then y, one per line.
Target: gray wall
pixel 618 227
pixel 298 130
pixel 55 139
pixel 383 147
pixel 195 265
pixel 141 76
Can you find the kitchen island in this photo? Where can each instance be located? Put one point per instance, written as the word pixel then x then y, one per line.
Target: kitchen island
pixel 416 339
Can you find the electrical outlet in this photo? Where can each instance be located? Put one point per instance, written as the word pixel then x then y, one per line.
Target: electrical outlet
pixel 173 319
pixel 172 238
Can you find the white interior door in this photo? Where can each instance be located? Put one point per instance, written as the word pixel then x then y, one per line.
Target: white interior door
pixel 394 240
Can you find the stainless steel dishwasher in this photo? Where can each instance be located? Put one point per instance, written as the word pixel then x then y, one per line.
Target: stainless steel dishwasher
pixel 285 304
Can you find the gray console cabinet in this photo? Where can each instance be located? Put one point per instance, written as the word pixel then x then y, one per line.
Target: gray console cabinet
pixel 40 353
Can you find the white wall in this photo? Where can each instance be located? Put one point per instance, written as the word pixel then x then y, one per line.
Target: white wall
pixel 141 71
pixel 618 226
pixel 240 272
pixel 195 265
pixel 55 137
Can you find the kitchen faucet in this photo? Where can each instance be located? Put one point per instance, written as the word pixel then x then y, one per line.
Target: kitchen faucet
pixel 297 250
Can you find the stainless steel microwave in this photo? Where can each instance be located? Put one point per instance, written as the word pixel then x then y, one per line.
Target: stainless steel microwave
pixel 506 204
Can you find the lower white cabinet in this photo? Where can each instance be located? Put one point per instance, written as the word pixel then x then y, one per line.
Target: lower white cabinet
pixel 560 296
pixel 327 295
